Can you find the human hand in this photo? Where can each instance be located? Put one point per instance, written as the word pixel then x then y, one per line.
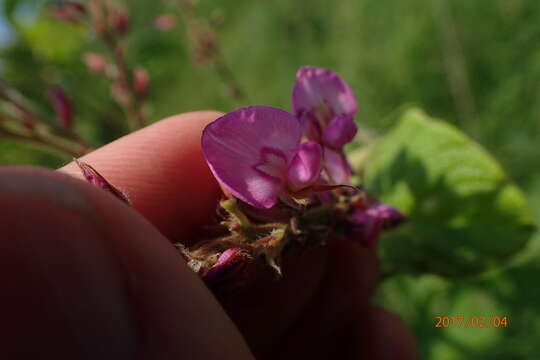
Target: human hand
pixel 86 277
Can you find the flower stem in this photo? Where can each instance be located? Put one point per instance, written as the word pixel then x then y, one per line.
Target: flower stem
pixel 69 148
pixel 208 50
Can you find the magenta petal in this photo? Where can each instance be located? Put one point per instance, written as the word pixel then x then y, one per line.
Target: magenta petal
pixel 367 224
pixel 305 166
pixel 95 178
pixel 336 166
pixel 390 217
pixel 366 227
pixel 248 151
pixel 316 86
pixel 229 271
pixel 339 131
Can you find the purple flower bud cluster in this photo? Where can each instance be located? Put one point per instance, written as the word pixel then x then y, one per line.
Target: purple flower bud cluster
pixel 288 169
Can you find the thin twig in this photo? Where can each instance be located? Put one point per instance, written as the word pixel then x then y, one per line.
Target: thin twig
pixel 208 50
pixel 30 121
pixel 69 148
pixel 128 99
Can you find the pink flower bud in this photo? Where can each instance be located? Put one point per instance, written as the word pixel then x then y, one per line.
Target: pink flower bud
pixel 165 22
pixel 141 81
pixel 93 177
pixel 62 107
pixel 367 224
pixel 119 19
pixel 96 63
pixel 229 271
pixel 68 11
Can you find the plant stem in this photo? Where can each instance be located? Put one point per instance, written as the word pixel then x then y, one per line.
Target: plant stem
pixel 31 121
pixel 204 38
pixel 69 148
pixel 128 99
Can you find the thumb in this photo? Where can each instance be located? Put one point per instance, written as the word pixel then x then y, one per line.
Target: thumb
pixel 85 277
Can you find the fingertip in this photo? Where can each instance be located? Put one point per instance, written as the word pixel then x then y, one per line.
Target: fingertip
pixel 162 170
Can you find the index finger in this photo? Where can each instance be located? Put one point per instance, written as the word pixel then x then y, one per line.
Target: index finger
pixel 162 170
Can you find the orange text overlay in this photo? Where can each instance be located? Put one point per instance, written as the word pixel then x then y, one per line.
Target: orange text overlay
pixel 472 321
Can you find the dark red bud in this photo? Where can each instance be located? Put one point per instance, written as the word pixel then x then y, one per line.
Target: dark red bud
pixel 68 11
pixel 62 107
pixel 119 19
pixel 141 81
pixel 93 177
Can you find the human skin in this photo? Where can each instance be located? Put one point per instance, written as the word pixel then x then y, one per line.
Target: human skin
pixel 84 276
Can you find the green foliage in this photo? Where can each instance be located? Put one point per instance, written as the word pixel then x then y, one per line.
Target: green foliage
pixel 465 215
pixel 39 34
pixel 419 299
pixel 14 153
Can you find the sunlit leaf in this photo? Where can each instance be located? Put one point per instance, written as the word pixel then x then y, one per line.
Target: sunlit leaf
pixel 466 216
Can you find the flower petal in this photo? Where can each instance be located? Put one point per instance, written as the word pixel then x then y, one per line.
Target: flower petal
pixel 305 166
pixel 95 178
pixel 367 224
pixel 366 227
pixel 390 217
pixel 244 150
pixel 336 166
pixel 316 86
pixel 230 270
pixel 339 131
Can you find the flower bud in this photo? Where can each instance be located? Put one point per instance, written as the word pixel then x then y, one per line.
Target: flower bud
pixel 119 19
pixel 62 107
pixel 368 224
pixel 229 271
pixel 93 177
pixel 141 81
pixel 165 22
pixel 96 63
pixel 68 11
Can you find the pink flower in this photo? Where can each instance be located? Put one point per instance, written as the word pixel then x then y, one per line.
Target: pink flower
pixel 256 154
pixel 325 105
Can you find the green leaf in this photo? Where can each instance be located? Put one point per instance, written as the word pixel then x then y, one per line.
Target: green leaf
pixel 465 214
pixel 53 40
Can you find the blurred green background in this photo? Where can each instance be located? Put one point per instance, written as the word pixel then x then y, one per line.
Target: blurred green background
pixel 475 64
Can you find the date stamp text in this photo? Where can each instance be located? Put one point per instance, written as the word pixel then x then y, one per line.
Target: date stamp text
pixel 472 321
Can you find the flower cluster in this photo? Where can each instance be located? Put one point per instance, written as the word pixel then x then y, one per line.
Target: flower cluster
pixel 286 181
